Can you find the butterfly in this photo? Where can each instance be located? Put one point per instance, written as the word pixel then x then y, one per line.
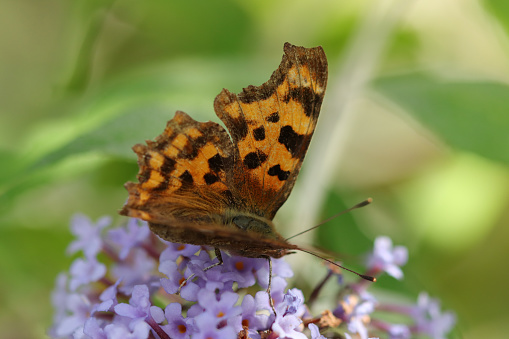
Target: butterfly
pixel 201 184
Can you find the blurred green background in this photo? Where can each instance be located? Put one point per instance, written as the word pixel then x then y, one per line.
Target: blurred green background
pixel 416 116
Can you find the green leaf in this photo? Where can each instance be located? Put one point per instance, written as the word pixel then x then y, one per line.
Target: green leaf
pixel 500 10
pixel 10 165
pixel 116 137
pixel 471 116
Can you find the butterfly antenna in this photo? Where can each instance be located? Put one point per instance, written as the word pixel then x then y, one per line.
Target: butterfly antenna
pixel 359 205
pixel 363 276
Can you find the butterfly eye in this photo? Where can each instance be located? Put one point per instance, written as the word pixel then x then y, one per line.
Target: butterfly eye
pixel 248 223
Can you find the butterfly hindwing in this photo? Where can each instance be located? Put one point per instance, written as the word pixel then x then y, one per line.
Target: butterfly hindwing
pixel 183 173
pixel 220 236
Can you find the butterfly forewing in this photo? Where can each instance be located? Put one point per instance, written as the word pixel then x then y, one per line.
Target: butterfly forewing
pixel 271 126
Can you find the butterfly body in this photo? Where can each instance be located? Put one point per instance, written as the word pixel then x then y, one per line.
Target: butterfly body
pixel 200 185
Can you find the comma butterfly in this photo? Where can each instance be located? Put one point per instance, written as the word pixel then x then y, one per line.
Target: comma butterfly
pixel 200 185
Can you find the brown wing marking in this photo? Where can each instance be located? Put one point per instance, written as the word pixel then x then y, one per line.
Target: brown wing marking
pixel 271 127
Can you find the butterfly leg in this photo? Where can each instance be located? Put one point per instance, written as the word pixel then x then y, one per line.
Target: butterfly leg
pixel 271 301
pixel 219 257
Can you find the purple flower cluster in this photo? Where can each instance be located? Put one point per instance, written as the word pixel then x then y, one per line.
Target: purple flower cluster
pixel 126 283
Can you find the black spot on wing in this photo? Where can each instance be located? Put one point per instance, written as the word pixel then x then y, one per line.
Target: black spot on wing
pixel 216 163
pixel 291 140
pixel 310 101
pixel 168 165
pixel 186 178
pixel 210 178
pixel 277 171
pixel 259 133
pixel 273 117
pixel 254 159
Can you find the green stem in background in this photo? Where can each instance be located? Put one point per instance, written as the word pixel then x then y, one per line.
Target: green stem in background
pixel 362 57
pixel 82 70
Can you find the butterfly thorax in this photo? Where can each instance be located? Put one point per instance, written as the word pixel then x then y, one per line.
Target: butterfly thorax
pixel 251 223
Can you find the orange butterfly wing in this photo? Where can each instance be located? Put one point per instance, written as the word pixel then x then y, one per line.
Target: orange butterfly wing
pixel 272 125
